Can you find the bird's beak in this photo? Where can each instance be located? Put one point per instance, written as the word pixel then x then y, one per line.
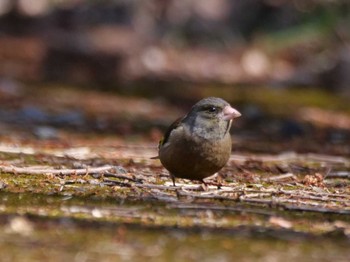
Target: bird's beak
pixel 230 113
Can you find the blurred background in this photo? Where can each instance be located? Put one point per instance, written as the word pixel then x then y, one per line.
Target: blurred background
pixel 129 68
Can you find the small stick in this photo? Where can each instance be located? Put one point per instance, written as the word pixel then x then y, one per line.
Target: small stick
pixel 280 177
pixel 340 174
pixel 37 171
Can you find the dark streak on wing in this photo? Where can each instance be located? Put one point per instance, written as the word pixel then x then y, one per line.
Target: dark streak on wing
pixel 173 126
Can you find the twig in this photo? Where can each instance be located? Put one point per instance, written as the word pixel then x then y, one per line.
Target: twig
pixel 321 199
pixel 279 177
pixel 220 208
pixel 122 176
pixel 319 194
pixel 156 186
pixel 328 171
pixel 292 156
pixel 110 182
pixel 182 193
pixel 37 171
pixel 316 209
pixel 341 174
pixel 258 201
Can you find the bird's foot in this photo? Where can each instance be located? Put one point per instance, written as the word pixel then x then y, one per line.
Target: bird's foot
pixel 204 186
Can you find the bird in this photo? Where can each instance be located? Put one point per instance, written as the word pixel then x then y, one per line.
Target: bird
pixel 198 144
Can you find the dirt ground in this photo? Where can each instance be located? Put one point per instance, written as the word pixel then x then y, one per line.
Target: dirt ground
pixel 77 182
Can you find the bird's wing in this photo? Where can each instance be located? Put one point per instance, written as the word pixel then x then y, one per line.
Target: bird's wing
pixel 166 136
pixel 172 127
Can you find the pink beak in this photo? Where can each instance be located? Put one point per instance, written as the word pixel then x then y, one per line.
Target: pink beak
pixel 230 113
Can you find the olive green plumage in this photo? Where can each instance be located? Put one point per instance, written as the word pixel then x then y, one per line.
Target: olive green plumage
pixel 198 145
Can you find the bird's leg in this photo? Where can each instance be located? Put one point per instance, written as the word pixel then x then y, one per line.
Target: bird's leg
pixel 173 179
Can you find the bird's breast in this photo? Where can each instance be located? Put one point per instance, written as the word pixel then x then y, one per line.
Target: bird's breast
pixel 195 157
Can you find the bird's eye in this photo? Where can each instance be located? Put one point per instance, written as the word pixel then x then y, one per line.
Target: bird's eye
pixel 212 109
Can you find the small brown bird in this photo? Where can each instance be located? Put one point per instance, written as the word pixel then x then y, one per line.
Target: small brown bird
pixel 198 145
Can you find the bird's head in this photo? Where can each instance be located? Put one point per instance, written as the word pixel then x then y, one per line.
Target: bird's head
pixel 211 114
pixel 214 108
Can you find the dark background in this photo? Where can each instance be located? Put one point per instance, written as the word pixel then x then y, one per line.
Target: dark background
pixel 284 64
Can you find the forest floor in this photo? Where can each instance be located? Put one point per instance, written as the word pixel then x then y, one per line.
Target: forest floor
pixel 77 182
